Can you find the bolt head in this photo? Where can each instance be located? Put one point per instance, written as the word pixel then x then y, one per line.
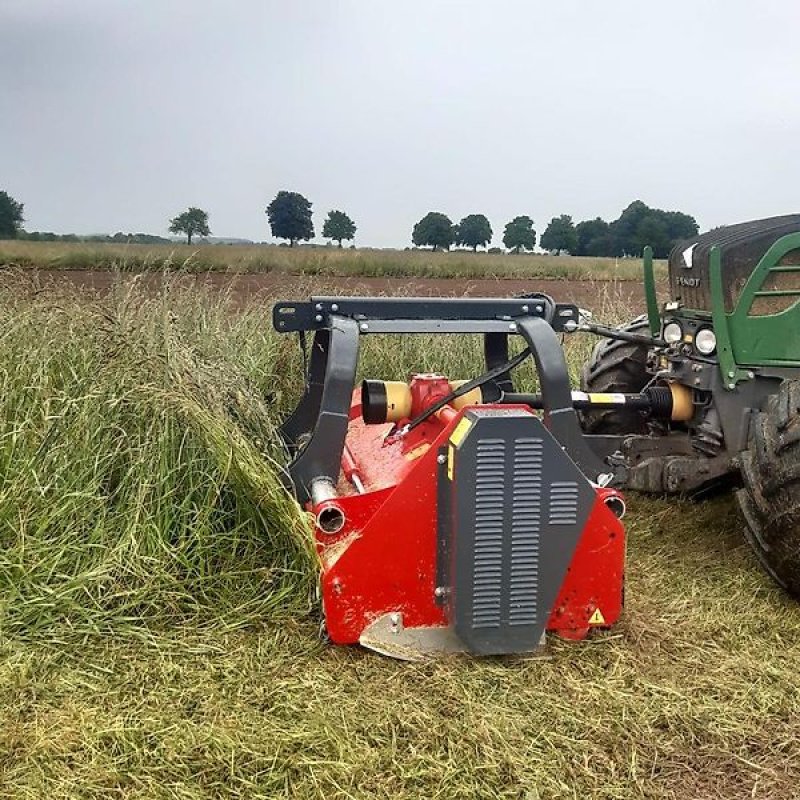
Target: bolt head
pixel 441 458
pixel 525 309
pixel 335 307
pixel 731 374
pixel 512 326
pixel 318 306
pixel 318 318
pixel 750 374
pixel 363 326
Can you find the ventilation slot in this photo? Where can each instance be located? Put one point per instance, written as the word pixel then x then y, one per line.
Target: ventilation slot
pixel 525 532
pixel 564 503
pixel 489 512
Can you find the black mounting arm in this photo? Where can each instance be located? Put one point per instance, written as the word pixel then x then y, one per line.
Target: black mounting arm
pixel 315 432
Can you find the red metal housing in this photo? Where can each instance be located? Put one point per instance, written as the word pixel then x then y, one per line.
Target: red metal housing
pixel 383 559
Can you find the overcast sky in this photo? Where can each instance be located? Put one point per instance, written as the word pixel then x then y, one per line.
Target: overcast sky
pixel 116 115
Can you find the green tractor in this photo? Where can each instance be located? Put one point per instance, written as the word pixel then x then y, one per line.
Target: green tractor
pixel 727 344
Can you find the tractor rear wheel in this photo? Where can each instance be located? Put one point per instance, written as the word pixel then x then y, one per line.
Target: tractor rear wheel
pixel 770 499
pixel 617 366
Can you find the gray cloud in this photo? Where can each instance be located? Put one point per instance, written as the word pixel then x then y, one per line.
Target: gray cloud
pixel 116 115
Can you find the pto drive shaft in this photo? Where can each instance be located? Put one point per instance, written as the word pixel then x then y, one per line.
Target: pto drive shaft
pixel 658 402
pixel 393 401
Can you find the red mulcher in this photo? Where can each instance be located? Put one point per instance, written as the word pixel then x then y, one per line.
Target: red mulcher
pixel 454 516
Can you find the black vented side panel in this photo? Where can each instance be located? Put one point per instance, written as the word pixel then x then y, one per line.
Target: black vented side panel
pixel 517 506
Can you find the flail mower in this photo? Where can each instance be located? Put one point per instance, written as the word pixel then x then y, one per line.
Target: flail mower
pixel 465 516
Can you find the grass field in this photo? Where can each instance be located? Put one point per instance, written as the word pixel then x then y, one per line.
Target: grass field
pixel 158 619
pixel 322 261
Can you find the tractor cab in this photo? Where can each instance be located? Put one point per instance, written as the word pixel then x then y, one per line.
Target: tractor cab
pixel 734 295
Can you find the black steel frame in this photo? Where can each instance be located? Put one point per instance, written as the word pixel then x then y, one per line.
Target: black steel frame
pixel 315 431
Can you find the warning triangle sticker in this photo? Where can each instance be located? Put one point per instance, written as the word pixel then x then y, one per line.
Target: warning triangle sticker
pixel 597 618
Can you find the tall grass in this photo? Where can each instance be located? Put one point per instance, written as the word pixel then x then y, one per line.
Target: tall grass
pixel 140 464
pixel 318 261
pixel 141 500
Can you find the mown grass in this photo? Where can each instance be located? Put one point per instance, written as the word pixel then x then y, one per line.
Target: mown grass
pixel 319 261
pixel 159 637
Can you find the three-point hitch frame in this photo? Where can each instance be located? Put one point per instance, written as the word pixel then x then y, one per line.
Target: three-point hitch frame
pixel 315 432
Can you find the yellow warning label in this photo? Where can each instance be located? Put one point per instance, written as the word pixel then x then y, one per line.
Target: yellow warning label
pixel 597 618
pixel 451 451
pixel 460 431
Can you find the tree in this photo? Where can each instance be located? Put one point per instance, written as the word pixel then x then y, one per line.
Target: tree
pixel 653 231
pixel 679 225
pixel 192 221
pixel 434 230
pixel 624 229
pixel 473 231
pixel 338 226
pixel 289 217
pixel 519 234
pixel 560 235
pixel 593 238
pixel 10 216
pixel 640 225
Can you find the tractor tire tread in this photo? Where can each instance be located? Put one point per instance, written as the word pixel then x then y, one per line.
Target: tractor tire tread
pixel 616 366
pixel 770 499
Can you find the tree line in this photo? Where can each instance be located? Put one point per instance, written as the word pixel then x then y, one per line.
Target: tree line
pixel 637 226
pixel 289 217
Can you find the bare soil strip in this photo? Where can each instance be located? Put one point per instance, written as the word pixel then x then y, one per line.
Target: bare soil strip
pixel 243 288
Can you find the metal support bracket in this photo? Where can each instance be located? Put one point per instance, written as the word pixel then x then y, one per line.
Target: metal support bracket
pixel 560 417
pixel 315 432
pixel 322 416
